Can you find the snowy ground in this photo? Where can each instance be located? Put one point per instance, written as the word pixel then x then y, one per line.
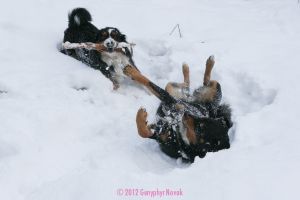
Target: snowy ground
pixel 58 142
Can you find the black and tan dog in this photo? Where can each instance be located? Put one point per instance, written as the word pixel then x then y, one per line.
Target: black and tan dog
pixel 104 56
pixel 187 125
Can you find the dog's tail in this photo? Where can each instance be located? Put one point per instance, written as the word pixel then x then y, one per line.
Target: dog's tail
pixel 79 16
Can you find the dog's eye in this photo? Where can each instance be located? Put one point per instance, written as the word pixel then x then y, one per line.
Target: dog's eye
pixel 104 34
pixel 113 34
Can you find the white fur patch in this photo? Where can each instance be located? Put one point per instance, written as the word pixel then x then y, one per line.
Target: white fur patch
pixel 110 40
pixel 110 30
pixel 183 133
pixel 77 20
pixel 116 59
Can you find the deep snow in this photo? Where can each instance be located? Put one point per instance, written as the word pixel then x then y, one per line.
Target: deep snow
pixel 60 142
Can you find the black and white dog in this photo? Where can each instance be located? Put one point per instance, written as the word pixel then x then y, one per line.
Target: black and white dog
pixel 114 52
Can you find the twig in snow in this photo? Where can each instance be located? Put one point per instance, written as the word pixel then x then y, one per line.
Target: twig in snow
pixel 179 31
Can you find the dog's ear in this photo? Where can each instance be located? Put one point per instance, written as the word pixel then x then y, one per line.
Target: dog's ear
pixel 122 37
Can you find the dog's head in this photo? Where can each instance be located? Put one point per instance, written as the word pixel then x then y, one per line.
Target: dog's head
pixel 110 37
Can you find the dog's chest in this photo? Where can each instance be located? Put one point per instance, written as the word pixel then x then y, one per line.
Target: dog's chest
pixel 115 59
pixel 174 119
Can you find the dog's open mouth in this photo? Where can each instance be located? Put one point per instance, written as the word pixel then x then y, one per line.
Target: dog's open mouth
pixel 110 49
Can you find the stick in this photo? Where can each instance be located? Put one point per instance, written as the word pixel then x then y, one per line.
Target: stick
pixel 87 45
pixel 179 31
pixel 95 46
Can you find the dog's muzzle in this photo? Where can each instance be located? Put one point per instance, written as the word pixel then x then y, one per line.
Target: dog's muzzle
pixel 110 44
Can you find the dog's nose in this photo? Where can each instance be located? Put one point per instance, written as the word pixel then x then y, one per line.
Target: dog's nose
pixel 110 44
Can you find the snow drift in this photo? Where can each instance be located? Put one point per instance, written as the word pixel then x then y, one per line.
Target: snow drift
pixel 65 134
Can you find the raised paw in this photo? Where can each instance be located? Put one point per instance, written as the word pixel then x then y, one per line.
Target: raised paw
pixel 210 62
pixel 186 74
pixel 142 124
pixel 141 117
pixel 185 68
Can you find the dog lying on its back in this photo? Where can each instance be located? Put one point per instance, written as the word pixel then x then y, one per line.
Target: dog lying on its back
pixel 188 125
pixel 105 59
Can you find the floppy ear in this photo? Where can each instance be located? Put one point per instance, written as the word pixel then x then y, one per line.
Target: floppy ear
pixel 99 36
pixel 123 38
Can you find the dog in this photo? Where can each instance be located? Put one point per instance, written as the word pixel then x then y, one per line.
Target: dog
pixel 105 57
pixel 187 125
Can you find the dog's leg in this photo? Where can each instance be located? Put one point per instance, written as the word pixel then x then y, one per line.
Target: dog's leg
pixel 210 62
pixel 133 73
pixel 186 75
pixel 144 129
pixel 180 90
pixel 141 123
pixel 116 85
pixel 210 92
pixel 160 93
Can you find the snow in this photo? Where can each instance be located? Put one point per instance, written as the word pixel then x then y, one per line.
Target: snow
pixel 65 134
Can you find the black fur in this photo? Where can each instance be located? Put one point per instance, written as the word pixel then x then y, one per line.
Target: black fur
pixel 211 128
pixel 79 16
pixel 80 29
pixel 119 37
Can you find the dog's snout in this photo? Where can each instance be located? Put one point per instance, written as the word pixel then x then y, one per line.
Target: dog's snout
pixel 110 43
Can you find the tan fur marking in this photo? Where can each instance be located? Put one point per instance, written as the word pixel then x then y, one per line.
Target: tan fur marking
pixel 186 75
pixel 190 129
pixel 141 123
pixel 179 106
pixel 208 93
pixel 176 90
pixel 133 73
pixel 209 65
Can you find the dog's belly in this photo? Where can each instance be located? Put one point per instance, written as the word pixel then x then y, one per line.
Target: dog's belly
pixel 117 60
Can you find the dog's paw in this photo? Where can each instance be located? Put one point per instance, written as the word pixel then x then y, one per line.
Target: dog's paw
pixel 125 48
pixel 142 114
pixel 185 68
pixel 210 61
pixel 142 123
pixel 141 117
pixel 116 86
pixel 124 45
